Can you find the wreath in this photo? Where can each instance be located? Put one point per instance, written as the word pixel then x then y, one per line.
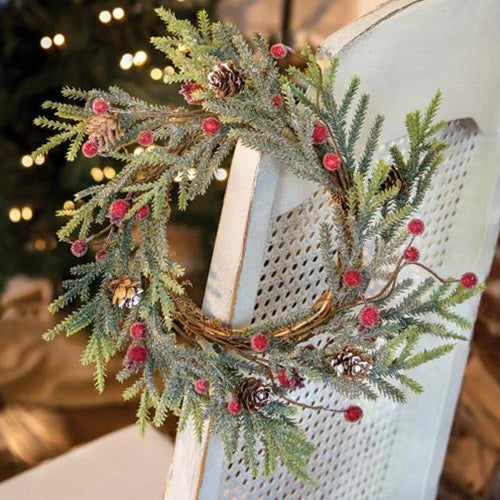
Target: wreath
pixel 131 295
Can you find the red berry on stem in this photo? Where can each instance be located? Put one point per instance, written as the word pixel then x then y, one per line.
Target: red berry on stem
pixel 469 280
pixel 353 413
pixel 145 138
pixel 331 161
pixel 79 248
pixel 137 353
pixel 187 90
pixel 416 227
pixel 143 212
pixel 211 125
pixel 411 254
pixel 201 386
pixel 136 356
pixel 118 210
pixel 283 379
pixel 369 316
pixel 100 106
pixel 320 133
pixel 352 278
pixel 138 330
pixel 89 149
pixel 259 342
pixel 234 407
pixel 100 255
pixel 277 100
pixel 278 51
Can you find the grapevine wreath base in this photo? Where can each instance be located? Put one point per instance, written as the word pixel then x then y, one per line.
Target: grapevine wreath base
pixel 131 296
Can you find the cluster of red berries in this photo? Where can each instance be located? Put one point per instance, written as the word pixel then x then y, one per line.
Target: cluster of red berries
pixel 137 353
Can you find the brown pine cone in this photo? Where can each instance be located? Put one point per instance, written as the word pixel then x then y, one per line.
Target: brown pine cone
pixel 226 80
pixel 125 292
pixel 103 130
pixel 352 362
pixel 252 394
pixel 393 179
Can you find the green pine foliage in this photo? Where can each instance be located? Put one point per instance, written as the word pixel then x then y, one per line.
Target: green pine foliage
pixel 368 211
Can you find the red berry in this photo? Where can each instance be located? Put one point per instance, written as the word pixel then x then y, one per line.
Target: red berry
pixel 201 386
pixel 187 90
pixel 278 51
pixel 118 210
pixel 411 254
pixel 469 280
pixel 353 413
pixel 320 133
pixel 234 407
pixel 283 379
pixel 369 316
pixel 143 212
pixel 89 149
pixel 211 125
pixel 277 100
pixel 79 248
pixel 416 227
pixel 259 342
pixel 100 106
pixel 331 161
pixel 352 278
pixel 100 255
pixel 138 330
pixel 137 353
pixel 145 138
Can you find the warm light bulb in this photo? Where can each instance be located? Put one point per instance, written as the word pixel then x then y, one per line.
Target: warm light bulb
pixel 40 160
pixel 69 205
pixel 27 213
pixel 109 172
pixel 169 70
pixel 118 13
pixel 105 16
pixel 138 150
pixel 97 174
pixel 27 161
pixel 59 39
pixel 192 173
pixel 126 61
pixel 140 57
pixel 15 214
pixel 46 42
pixel 40 245
pixel 221 174
pixel 156 73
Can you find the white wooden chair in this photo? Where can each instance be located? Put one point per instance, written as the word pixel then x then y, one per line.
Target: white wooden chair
pixel 266 261
pixel 266 264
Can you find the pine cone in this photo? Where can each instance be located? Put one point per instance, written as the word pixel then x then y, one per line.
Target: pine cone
pixel 125 292
pixel 352 362
pixel 103 130
pixel 252 394
pixel 226 80
pixel 393 179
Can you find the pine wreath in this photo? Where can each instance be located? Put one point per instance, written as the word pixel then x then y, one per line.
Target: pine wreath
pixel 132 296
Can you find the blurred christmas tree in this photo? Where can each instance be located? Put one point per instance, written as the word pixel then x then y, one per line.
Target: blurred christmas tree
pixel 46 45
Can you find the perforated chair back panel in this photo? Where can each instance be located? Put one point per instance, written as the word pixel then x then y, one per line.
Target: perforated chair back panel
pixel 266 262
